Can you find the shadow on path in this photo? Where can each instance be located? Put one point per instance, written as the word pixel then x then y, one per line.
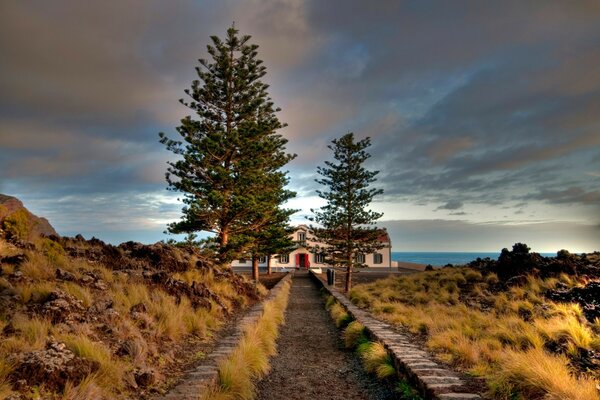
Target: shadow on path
pixel 312 362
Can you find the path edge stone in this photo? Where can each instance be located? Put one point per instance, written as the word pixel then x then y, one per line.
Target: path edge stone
pixel 431 379
pixel 203 376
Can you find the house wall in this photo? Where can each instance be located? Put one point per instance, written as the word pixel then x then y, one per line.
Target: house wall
pixel 276 263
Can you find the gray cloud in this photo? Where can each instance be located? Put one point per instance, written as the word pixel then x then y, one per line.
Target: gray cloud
pixel 467 103
pixel 451 205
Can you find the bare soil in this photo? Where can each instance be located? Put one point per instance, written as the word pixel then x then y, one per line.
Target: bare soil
pixel 312 362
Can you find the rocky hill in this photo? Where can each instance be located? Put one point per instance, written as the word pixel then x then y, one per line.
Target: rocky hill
pixel 82 319
pixel 17 221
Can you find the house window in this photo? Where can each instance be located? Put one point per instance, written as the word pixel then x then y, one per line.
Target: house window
pixel 284 258
pixel 360 258
pixel 377 258
pixel 262 260
pixel 301 236
pixel 242 261
pixel 319 258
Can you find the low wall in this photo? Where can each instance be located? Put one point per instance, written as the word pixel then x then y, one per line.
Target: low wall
pixel 432 380
pixel 201 378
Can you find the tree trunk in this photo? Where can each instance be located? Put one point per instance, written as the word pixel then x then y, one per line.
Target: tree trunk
pixel 223 238
pixel 255 268
pixel 348 278
pixel 349 273
pixel 269 265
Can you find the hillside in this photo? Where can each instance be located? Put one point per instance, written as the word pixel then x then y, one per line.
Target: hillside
pixel 20 223
pixel 84 319
pixel 525 326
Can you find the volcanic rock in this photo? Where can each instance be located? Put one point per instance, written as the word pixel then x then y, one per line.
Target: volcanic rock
pixel 53 367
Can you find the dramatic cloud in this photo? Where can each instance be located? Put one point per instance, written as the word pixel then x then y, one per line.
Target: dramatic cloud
pixel 477 110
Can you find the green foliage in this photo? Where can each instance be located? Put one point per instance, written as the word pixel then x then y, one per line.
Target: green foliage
pixel 18 225
pixel 231 155
pixel 354 335
pixel 406 392
pixel 53 251
pixel 344 220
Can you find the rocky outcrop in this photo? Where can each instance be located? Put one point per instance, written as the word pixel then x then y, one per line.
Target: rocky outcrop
pixel 13 209
pixel 53 367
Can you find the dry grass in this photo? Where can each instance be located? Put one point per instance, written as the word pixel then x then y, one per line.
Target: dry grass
pixel 535 374
pixel 354 335
pixel 339 315
pixel 376 360
pixel 35 292
pixel 85 390
pixel 473 328
pixel 31 334
pixel 250 360
pixel 111 372
pixel 5 368
pixel 81 293
pixel 166 319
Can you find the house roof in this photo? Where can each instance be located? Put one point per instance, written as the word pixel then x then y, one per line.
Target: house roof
pixel 383 236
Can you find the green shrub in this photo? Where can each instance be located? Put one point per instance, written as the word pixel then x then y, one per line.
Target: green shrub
pixel 17 225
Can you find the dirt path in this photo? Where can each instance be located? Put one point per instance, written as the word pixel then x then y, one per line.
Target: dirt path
pixel 312 362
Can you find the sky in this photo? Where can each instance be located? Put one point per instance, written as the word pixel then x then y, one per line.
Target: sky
pixel 484 117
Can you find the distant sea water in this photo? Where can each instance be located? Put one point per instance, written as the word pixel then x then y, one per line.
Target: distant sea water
pixel 441 258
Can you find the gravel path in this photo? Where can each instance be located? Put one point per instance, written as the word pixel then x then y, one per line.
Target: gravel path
pixel 312 362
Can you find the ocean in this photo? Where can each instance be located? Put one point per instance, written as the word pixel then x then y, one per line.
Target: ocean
pixel 443 258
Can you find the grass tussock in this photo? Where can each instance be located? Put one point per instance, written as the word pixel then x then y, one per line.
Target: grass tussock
pixel 111 370
pixel 535 374
pixel 354 335
pixel 339 315
pixel 32 334
pixel 376 360
pixel 85 390
pixel 250 360
pixel 520 342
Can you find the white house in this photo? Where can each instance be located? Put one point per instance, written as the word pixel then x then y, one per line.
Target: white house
pixel 303 257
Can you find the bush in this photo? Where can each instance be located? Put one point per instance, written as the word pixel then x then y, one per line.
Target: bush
pixel 18 225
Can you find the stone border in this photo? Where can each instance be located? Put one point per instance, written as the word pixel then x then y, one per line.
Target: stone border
pixel 432 380
pixel 204 376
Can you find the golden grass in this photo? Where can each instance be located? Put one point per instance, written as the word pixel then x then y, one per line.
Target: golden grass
pixel 339 315
pixel 35 292
pixel 376 360
pixel 535 374
pixel 354 335
pixel 473 328
pixel 250 359
pixel 31 334
pixel 85 390
pixel 81 293
pixel 111 372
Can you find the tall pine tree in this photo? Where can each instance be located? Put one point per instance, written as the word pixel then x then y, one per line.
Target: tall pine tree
pixel 230 152
pixel 345 220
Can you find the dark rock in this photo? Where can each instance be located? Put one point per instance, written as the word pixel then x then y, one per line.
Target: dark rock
pixel 139 308
pixel 9 329
pixel 79 238
pixel 64 275
pixel 17 276
pixel 15 260
pixel 53 367
pixel 518 280
pixel 100 285
pixel 62 307
pixel 144 377
pixel 101 305
pixel 587 297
